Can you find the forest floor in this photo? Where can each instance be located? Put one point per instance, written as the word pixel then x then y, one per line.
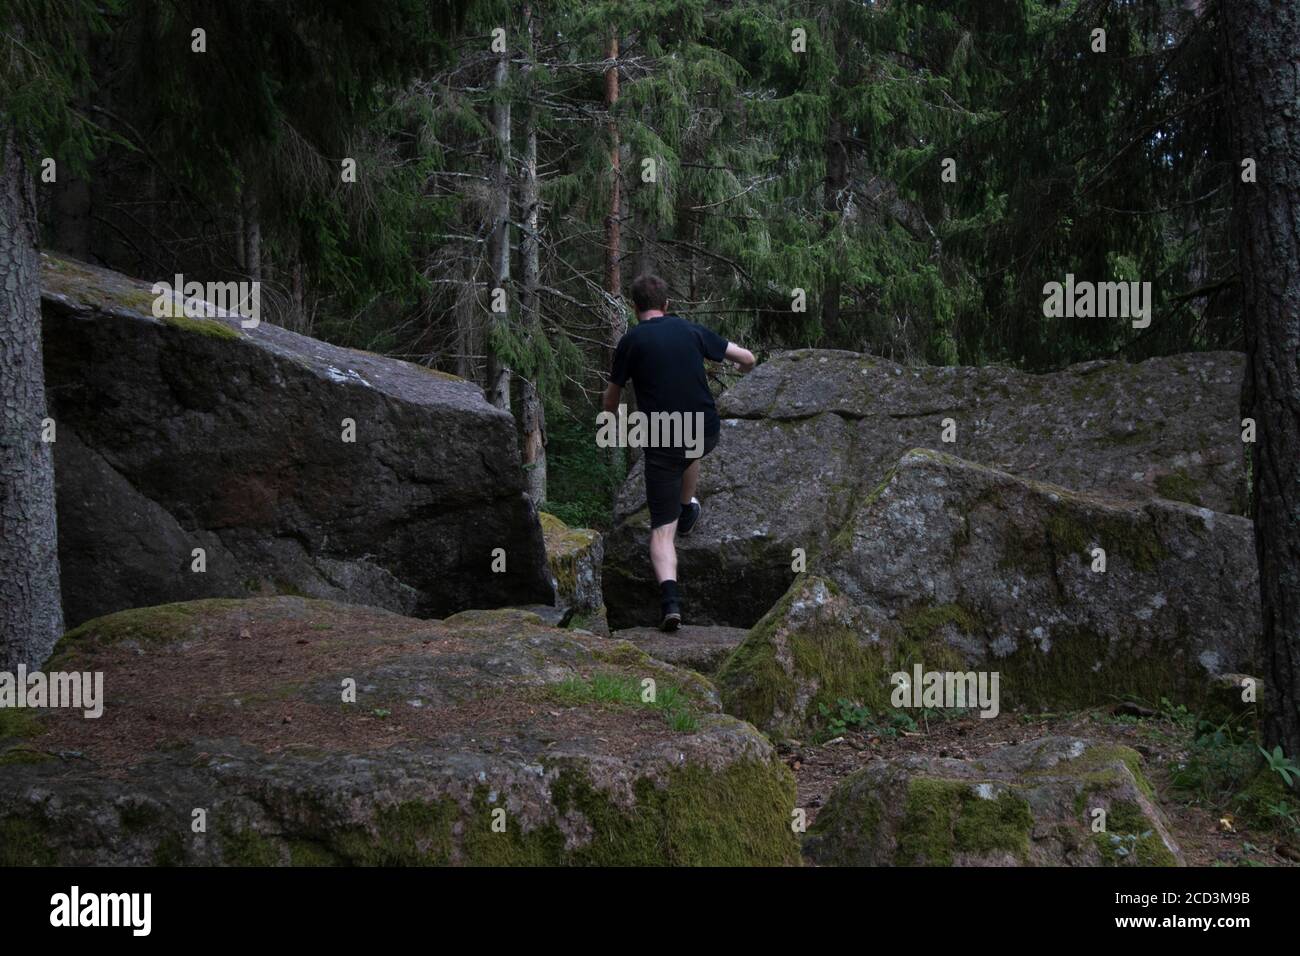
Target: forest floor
pixel 1189 778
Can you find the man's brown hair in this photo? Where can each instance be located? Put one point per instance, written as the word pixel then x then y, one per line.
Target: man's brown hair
pixel 649 292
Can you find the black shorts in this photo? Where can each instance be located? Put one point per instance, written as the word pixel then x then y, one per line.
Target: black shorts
pixel 663 481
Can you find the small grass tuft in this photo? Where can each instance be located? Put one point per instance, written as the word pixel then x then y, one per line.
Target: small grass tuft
pixel 624 691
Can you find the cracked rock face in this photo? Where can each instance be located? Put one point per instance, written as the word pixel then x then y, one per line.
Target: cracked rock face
pixel 486 738
pixel 809 431
pixel 1059 801
pixel 177 434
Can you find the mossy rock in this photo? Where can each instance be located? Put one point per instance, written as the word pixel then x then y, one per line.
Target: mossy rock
pixel 1072 600
pixel 315 733
pixel 574 556
pixel 1058 801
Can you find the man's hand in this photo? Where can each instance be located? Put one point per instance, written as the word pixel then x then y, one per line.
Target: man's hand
pixel 742 357
pixel 609 400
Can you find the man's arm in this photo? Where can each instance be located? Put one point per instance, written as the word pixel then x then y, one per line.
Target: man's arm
pixel 619 373
pixel 743 357
pixel 609 401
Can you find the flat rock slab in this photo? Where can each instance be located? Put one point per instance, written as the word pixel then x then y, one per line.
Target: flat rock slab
pixel 310 732
pixel 700 648
pixel 1059 801
pixel 810 430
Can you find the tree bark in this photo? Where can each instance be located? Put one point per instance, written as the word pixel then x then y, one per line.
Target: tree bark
pixel 298 296
pixel 252 245
pixel 468 325
pixel 613 225
pixel 498 373
pixel 31 612
pixel 1261 38
pixel 613 234
pixel 532 412
pixel 837 180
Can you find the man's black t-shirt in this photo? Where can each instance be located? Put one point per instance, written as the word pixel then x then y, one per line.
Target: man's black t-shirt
pixel 664 358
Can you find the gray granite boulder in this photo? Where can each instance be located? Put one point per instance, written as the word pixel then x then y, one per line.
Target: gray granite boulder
pixel 177 434
pixel 809 431
pixel 954 566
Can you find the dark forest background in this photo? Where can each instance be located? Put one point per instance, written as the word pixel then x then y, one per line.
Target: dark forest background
pixel 556 150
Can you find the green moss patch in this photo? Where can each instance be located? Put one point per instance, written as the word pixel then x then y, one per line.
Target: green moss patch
pixel 25 842
pixel 249 848
pixel 1130 838
pixel 695 817
pixel 831 661
pixel 18 724
pixel 153 625
pixel 202 326
pixel 943 818
pixel 565 550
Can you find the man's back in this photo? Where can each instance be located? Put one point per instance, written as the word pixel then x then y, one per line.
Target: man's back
pixel 664 358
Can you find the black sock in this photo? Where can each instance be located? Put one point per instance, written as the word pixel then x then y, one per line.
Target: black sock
pixel 668 592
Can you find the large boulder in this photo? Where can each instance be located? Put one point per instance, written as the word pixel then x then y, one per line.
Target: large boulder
pixel 1059 801
pixel 182 433
pixel 954 566
pixel 808 431
pixel 485 738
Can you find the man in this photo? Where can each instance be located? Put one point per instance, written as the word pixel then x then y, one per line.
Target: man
pixel 664 357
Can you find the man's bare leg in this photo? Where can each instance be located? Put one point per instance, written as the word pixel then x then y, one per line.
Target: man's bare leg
pixel 663 553
pixel 690 478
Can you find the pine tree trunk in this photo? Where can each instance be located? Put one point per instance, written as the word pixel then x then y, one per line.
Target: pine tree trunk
pixel 837 180
pixel 252 246
pixel 613 228
pixel 613 232
pixel 532 413
pixel 298 296
pixel 31 613
pixel 1261 38
pixel 533 421
pixel 497 384
pixel 465 311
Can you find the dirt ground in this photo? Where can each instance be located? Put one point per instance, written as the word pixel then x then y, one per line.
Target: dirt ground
pixel 1208 837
